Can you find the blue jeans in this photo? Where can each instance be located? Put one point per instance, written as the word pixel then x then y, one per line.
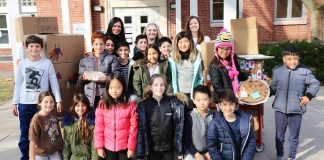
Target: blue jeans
pixel 293 121
pixel 26 113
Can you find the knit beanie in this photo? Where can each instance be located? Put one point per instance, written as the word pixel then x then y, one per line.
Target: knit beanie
pixel 224 38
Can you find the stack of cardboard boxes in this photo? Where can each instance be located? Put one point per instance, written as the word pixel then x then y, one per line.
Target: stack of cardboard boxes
pixel 64 50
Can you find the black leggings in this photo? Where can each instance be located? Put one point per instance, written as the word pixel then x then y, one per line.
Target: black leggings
pixel 161 155
pixel 120 155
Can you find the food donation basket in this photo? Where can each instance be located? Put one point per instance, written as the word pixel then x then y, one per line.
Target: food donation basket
pixel 257 89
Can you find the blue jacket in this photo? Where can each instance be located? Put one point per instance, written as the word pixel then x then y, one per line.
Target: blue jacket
pixel 220 140
pixel 147 133
pixel 290 84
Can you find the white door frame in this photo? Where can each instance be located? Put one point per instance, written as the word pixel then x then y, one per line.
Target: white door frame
pixel 162 4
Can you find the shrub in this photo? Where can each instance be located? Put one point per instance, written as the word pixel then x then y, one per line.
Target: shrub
pixel 312 55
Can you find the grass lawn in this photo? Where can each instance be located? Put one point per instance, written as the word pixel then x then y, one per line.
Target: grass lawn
pixel 6 89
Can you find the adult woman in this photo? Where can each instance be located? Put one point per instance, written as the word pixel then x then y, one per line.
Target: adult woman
pixel 197 34
pixel 153 34
pixel 116 29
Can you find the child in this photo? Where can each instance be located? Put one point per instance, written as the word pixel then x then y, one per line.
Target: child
pixel 186 67
pixel 140 47
pixel 44 133
pixel 144 69
pixel 116 122
pixel 294 86
pixel 78 127
pixel 98 60
pixel 33 76
pixel 161 120
pixel 230 135
pixel 224 70
pixel 197 122
pixel 165 47
pixel 125 64
pixel 110 46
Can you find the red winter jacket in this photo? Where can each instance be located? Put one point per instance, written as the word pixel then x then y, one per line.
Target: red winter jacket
pixel 116 128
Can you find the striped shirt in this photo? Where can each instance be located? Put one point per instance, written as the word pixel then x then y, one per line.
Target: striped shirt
pixel 124 71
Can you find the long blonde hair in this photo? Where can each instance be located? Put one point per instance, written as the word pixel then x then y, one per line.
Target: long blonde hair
pixel 176 52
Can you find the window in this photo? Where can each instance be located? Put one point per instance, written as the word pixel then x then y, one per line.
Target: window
pixel 290 11
pixel 3 3
pixel 4 37
pixel 25 3
pixel 217 10
pixel 28 6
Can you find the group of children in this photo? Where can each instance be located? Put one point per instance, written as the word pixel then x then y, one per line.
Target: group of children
pixel 154 104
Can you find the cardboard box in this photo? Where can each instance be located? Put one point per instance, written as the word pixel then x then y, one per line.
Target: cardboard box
pixel 67 75
pixel 63 48
pixel 207 55
pixel 245 36
pixel 34 25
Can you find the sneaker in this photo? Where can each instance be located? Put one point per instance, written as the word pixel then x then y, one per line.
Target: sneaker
pixel 279 158
pixel 291 158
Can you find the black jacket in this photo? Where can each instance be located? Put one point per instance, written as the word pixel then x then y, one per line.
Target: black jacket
pixel 160 125
pixel 220 79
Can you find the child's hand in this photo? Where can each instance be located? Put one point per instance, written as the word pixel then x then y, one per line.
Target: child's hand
pixel 303 100
pixel 101 153
pixel 130 154
pixel 59 107
pixel 198 156
pixel 14 110
pixel 207 156
pixel 84 77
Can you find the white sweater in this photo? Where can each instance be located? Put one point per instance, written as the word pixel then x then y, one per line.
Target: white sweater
pixel 32 78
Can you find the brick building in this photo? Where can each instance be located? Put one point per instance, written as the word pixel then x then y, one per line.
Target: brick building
pixel 277 20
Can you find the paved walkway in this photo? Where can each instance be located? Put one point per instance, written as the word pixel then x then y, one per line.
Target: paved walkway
pixel 311 145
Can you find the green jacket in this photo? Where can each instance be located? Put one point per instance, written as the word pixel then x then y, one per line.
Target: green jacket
pixel 73 149
pixel 197 77
pixel 142 77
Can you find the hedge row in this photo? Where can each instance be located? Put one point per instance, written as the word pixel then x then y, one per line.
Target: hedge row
pixel 312 55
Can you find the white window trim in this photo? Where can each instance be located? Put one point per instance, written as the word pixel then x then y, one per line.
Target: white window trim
pixel 289 20
pixel 211 14
pixel 28 9
pixel 214 23
pixel 8 45
pixel 3 9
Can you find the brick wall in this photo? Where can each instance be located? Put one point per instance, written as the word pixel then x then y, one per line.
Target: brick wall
pixel 5 51
pixel 264 11
pixel 51 8
pixel 98 18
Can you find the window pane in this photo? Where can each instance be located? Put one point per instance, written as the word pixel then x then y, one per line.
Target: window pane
pixel 3 21
pixel 218 11
pixel 127 19
pixel 297 7
pixel 282 8
pixel 143 19
pixel 4 39
pixel 142 29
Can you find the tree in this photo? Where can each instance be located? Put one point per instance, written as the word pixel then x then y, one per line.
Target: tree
pixel 316 10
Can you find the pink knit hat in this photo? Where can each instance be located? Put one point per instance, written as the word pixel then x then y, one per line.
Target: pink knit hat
pixel 224 38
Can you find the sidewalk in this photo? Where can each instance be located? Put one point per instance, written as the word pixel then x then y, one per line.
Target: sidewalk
pixel 311 146
pixel 9 134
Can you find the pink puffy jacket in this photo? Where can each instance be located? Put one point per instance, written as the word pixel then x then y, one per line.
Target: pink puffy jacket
pixel 116 128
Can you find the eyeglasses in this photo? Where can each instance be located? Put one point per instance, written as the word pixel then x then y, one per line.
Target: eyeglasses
pixel 224 50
